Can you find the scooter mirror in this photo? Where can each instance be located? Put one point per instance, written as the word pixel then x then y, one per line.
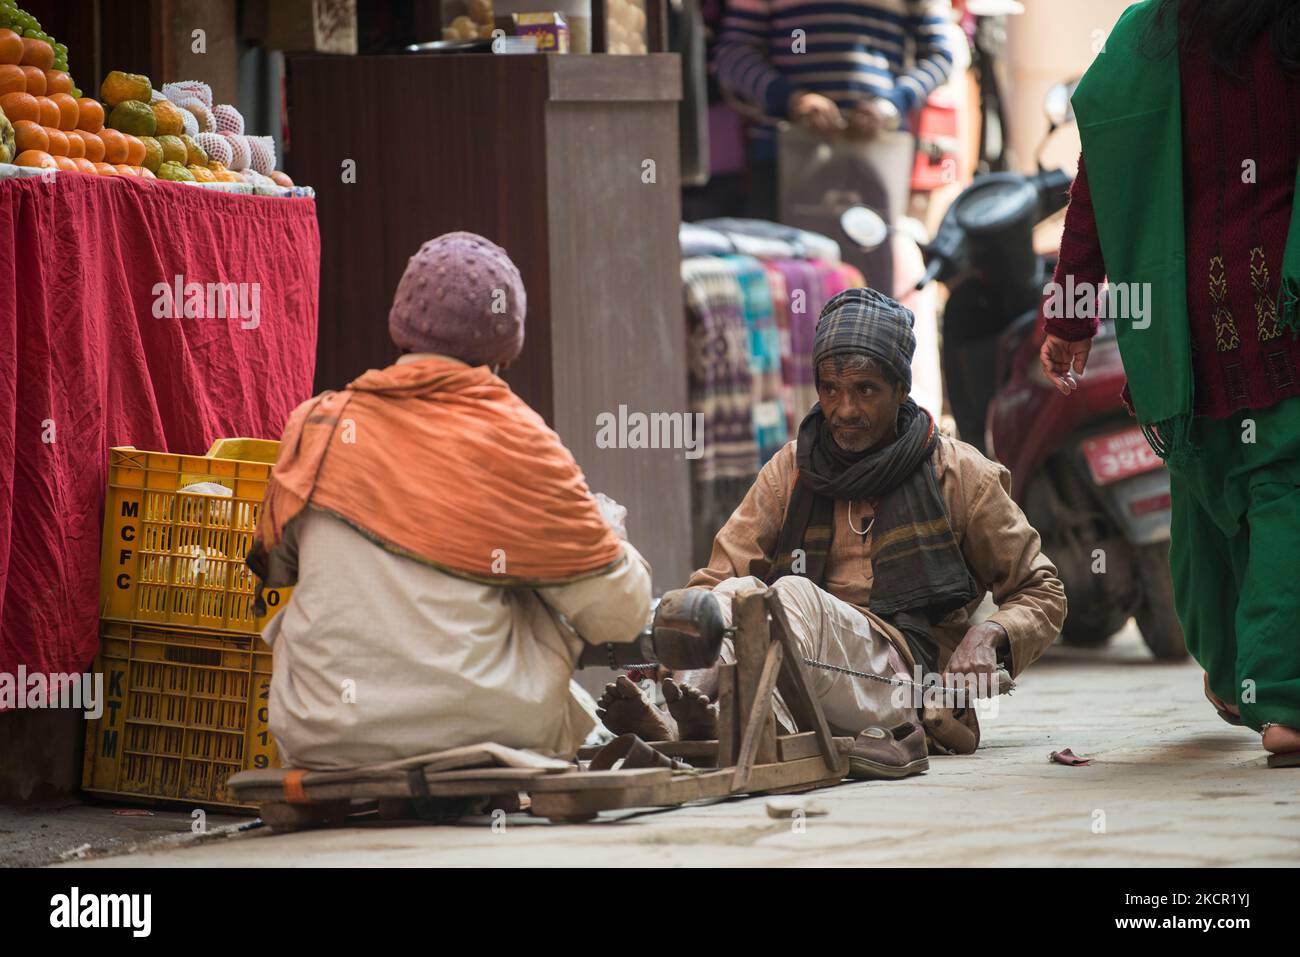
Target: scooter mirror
pixel 1057 104
pixel 864 226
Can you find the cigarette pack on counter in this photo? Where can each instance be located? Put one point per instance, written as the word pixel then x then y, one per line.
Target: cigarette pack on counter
pixel 550 29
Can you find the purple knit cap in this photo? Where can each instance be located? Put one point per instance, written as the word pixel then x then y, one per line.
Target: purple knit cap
pixel 460 296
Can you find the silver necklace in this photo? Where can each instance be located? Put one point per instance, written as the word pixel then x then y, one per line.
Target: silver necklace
pixel 869 524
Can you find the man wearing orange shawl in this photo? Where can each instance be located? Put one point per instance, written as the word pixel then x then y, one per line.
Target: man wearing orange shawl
pixel 447 557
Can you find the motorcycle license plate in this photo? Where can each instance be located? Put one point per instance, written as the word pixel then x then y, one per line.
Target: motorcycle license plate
pixel 1119 455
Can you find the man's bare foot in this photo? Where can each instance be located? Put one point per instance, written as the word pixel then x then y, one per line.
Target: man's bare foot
pixel 697 719
pixel 1279 739
pixel 626 711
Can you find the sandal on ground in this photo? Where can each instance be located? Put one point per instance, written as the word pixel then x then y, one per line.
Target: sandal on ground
pixel 1224 713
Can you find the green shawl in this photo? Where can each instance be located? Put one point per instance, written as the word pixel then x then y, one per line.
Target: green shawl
pixel 1130 121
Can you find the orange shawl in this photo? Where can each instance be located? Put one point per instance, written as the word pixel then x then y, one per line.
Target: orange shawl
pixel 440 461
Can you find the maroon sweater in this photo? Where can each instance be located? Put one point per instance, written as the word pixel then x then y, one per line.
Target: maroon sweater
pixel 1236 231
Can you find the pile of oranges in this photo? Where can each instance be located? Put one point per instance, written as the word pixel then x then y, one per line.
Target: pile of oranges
pixel 52 128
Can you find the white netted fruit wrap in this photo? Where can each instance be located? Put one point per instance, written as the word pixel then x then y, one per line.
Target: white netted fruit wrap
pixel 202 115
pixel 229 119
pixel 240 155
pixel 190 124
pixel 216 146
pixel 187 88
pixel 263 153
pixel 156 96
pixel 254 178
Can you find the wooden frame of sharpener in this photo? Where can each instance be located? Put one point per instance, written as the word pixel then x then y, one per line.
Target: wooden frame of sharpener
pixel 749 756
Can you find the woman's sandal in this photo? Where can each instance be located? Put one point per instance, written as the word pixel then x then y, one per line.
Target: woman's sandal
pixel 1224 713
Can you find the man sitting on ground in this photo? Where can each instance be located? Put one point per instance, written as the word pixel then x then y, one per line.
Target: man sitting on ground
pixel 445 550
pixel 880 536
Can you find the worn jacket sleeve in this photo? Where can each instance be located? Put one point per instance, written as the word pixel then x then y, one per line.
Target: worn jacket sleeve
pixel 750 534
pixel 612 607
pixel 1003 552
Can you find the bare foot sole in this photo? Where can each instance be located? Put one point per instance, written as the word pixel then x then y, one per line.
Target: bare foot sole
pixel 697 719
pixel 624 710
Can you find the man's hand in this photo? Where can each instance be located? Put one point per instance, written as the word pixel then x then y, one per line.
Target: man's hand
pixel 867 120
pixel 817 114
pixel 1061 358
pixel 976 655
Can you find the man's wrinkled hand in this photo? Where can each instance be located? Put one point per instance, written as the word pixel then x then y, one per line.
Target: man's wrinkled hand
pixel 976 655
pixel 1062 359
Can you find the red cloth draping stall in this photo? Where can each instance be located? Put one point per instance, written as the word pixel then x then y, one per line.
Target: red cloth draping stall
pixel 91 356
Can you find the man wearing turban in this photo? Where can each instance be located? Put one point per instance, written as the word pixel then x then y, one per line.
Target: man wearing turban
pixel 881 537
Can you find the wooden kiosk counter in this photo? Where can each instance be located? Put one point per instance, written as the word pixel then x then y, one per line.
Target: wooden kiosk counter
pixel 570 162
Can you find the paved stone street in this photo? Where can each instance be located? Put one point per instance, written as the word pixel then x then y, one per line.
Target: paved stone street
pixel 1170 784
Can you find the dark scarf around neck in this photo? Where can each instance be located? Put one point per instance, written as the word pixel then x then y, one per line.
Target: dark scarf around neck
pixel 920 574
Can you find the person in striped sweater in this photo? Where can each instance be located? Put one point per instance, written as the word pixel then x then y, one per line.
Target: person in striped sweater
pixel 849 68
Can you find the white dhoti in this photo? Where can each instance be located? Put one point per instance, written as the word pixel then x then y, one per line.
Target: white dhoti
pixel 832 631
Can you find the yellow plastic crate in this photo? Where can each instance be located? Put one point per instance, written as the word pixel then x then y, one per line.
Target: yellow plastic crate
pixel 178 558
pixel 246 450
pixel 183 711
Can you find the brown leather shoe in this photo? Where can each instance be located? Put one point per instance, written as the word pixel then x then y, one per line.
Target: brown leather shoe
pixel 889 754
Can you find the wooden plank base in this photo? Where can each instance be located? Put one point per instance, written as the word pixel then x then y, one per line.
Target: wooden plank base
pixel 749 756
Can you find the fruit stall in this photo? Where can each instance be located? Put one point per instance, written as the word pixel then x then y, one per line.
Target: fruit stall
pixel 158 288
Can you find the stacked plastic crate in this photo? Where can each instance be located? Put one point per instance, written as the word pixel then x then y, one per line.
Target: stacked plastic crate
pixel 186 676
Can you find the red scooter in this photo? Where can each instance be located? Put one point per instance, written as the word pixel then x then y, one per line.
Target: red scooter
pixel 1080 467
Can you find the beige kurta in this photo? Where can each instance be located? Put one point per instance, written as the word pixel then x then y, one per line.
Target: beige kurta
pixel 1001 549
pixel 378 657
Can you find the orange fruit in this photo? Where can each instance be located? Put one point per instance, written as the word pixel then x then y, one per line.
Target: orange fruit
pixel 85 166
pixel 37 158
pixel 56 81
pixel 37 53
pixel 76 145
pixel 134 150
pixel 115 149
pixel 94 146
pixel 30 136
pixel 58 142
pixel 49 111
pixel 67 164
pixel 69 112
pixel 20 106
pixel 125 169
pixel 11 47
pixel 90 115
pixel 119 86
pixel 12 79
pixel 35 80
pixel 146 173
pixel 104 169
